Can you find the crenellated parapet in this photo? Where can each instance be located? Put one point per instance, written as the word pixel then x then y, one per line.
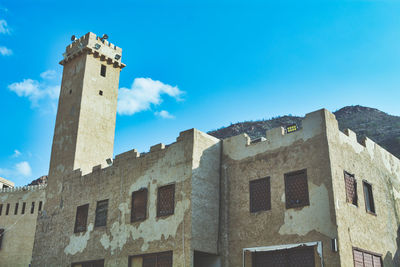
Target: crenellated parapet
pixel 23 188
pixel 96 46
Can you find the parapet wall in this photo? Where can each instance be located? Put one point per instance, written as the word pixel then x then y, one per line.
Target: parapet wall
pixel 23 188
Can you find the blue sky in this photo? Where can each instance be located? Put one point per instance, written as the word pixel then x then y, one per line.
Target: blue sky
pixel 217 62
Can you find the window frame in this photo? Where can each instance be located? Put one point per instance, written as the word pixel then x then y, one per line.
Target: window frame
pixel 87 262
pixel 159 199
pixel 370 198
pixel 133 217
pixel 76 230
pixel 267 204
pixel 103 70
pixel 96 222
pixel 156 255
pixel 367 252
pixel 286 178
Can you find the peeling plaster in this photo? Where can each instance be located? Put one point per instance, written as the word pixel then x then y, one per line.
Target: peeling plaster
pixel 301 222
pixel 78 243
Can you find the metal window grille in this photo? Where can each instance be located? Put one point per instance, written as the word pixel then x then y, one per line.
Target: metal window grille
pixel 101 213
pixel 351 188
pixel 166 200
pixel 163 259
pixel 296 189
pixel 299 256
pixel 260 194
pixel 139 205
pixel 81 218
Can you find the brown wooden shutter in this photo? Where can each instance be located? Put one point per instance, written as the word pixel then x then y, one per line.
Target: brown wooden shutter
pixel 139 205
pixel 351 188
pixel 301 256
pixel 166 200
pixel 260 194
pixel 81 218
pixel 1 236
pixel 150 260
pixel 296 189
pixel 101 213
pixel 164 259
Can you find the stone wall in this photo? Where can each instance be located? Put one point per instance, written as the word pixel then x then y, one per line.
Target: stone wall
pixel 56 244
pixel 19 229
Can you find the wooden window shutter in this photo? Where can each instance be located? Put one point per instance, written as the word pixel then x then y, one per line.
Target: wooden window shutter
pixel 260 194
pixel 164 259
pixel 81 218
pixel 139 205
pixel 364 258
pixel 166 200
pixel 296 189
pixel 1 236
pixel 101 213
pixel 150 260
pixel 351 188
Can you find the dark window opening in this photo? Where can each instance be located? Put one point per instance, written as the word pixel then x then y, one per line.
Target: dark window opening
pixel 103 70
pixel 100 92
pixel 351 188
pixel 260 194
pixel 1 236
pixel 1 208
pixel 95 263
pixel 81 218
pixel 40 206
pixel 23 208
pixel 70 91
pixel 365 258
pixel 166 200
pixel 33 208
pixel 162 259
pixel 101 213
pixel 16 209
pixel 7 208
pixel 369 198
pixel 296 189
pixel 139 205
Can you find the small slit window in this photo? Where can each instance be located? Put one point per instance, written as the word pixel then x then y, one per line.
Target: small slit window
pixel 81 218
pixel 23 208
pixel 166 200
pixel 40 205
pixel 1 236
pixel 296 189
pixel 8 208
pixel 100 92
pixel 139 205
pixel 260 194
pixel 103 70
pixel 1 209
pixel 351 188
pixel 101 213
pixel 369 198
pixel 33 208
pixel 16 208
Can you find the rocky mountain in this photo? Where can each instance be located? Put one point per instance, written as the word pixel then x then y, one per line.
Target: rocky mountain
pixel 379 126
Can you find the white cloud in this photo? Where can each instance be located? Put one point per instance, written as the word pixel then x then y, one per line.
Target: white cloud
pixel 164 114
pixel 23 168
pixel 16 154
pixel 143 93
pixel 35 90
pixel 4 29
pixel 4 51
pixel 48 75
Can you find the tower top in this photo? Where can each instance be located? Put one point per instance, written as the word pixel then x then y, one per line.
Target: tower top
pixel 93 44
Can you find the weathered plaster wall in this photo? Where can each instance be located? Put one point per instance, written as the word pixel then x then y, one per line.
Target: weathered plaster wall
pixel 280 154
pixel 205 193
pixel 20 229
pixel 57 245
pixel 356 227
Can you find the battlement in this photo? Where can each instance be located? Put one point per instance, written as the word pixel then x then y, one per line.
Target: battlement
pixel 94 45
pixel 23 188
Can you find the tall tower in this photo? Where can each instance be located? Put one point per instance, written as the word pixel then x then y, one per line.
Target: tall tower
pixel 85 124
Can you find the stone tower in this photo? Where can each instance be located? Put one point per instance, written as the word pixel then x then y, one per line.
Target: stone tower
pixel 85 124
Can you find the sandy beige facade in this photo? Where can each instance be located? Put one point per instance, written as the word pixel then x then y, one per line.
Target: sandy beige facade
pixel 299 214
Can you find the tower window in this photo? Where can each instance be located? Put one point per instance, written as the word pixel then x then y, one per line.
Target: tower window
pixel 101 213
pixel 16 209
pixel 23 208
pixel 296 189
pixel 40 206
pixel 8 208
pixel 103 70
pixel 369 198
pixel 33 208
pixel 100 92
pixel 139 205
pixel 81 218
pixel 260 195
pixel 1 208
pixel 166 200
pixel 351 188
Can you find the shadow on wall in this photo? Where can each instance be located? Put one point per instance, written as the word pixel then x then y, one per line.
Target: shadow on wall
pixel 391 260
